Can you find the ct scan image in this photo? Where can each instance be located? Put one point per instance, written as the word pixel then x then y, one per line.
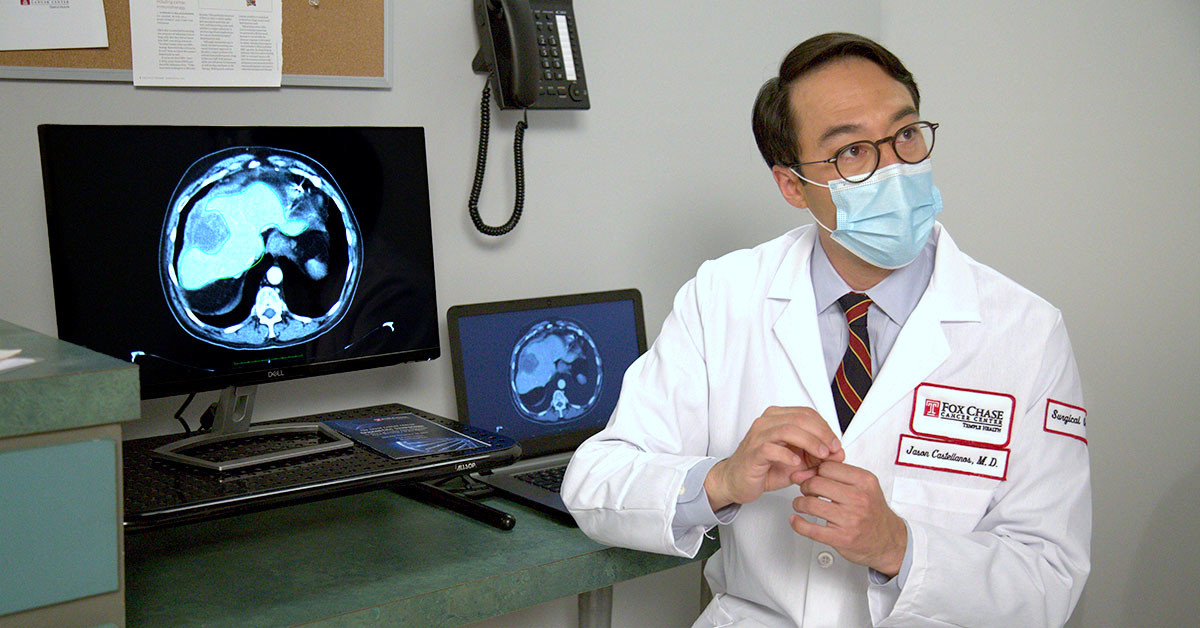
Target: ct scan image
pixel 260 249
pixel 555 372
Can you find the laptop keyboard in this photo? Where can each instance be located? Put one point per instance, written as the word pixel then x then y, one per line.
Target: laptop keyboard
pixel 549 479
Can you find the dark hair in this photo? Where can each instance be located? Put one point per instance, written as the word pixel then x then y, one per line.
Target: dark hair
pixel 774 128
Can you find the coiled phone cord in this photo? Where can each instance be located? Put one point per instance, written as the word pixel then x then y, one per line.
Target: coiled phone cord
pixel 481 161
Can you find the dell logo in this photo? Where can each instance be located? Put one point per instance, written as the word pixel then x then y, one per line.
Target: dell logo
pixel 275 373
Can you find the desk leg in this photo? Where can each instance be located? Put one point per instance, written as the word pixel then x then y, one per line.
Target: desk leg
pixel 595 608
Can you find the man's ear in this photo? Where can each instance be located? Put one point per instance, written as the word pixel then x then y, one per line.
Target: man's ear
pixel 790 186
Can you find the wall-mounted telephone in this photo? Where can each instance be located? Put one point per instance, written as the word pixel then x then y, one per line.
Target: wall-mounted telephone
pixel 530 51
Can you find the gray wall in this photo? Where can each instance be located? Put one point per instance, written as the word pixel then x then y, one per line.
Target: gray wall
pixel 1068 158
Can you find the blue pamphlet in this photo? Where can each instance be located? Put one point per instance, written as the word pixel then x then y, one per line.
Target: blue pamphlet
pixel 405 435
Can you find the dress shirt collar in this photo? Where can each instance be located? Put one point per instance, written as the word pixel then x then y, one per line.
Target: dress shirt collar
pixel 896 295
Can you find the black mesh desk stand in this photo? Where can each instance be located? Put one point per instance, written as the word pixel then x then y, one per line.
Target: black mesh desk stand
pixel 161 492
pixel 459 501
pixel 233 423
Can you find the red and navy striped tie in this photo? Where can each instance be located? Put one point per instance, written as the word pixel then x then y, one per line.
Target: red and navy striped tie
pixel 853 376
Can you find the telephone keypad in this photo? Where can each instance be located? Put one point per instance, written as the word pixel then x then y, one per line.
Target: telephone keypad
pixel 562 76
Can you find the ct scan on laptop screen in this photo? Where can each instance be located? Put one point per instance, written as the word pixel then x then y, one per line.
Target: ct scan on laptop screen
pixel 528 372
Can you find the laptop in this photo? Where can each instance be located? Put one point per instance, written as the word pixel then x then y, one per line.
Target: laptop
pixel 545 372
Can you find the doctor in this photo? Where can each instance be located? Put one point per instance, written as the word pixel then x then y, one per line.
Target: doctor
pixel 888 432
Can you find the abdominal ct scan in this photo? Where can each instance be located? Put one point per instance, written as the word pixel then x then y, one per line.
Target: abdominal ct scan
pixel 259 249
pixel 555 372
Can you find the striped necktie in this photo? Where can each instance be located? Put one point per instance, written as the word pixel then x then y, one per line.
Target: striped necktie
pixel 853 376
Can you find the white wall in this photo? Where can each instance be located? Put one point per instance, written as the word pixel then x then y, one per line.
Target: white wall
pixel 1068 159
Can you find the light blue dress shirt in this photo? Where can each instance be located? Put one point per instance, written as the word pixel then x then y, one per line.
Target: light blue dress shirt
pixel 893 300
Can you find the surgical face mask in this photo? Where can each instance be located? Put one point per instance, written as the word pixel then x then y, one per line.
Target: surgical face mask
pixel 887 219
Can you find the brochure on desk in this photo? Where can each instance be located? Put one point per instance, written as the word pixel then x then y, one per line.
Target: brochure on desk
pixel 405 435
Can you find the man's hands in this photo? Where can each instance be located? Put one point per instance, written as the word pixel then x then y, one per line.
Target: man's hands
pixel 858 522
pixel 782 447
pixel 788 446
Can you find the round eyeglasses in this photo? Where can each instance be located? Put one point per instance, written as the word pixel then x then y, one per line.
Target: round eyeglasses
pixel 858 161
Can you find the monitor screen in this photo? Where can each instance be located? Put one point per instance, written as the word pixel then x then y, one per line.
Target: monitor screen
pixel 232 256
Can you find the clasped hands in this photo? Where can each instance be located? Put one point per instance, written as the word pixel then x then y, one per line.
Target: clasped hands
pixel 794 445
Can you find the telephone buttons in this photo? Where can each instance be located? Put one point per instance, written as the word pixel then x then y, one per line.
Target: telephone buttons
pixel 577 92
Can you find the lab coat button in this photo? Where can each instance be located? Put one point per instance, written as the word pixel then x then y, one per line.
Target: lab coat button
pixel 825 560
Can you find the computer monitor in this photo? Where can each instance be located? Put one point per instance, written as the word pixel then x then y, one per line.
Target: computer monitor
pixel 221 257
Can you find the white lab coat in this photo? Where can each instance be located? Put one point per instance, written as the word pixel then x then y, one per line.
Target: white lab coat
pixel 743 336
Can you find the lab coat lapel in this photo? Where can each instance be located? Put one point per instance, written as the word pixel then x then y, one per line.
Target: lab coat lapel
pixel 796 326
pixel 921 345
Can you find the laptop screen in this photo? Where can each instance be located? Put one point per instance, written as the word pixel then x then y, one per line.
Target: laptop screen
pixel 546 372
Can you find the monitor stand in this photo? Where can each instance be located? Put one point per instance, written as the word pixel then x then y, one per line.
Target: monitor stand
pixel 232 422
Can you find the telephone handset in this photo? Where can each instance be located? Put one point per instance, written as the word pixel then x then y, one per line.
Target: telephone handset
pixel 530 51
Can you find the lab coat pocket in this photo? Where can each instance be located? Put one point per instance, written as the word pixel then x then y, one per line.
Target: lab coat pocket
pixel 955 508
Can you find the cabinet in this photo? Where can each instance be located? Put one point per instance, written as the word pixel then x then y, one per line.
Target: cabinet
pixel 61 543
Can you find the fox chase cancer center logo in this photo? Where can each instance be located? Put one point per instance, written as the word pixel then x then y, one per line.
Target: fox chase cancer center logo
pixel 965 415
pixel 975 417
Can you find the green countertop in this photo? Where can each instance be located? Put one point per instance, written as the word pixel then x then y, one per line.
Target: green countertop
pixel 68 387
pixel 375 558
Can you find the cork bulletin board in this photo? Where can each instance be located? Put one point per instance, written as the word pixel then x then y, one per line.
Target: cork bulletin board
pixel 340 43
